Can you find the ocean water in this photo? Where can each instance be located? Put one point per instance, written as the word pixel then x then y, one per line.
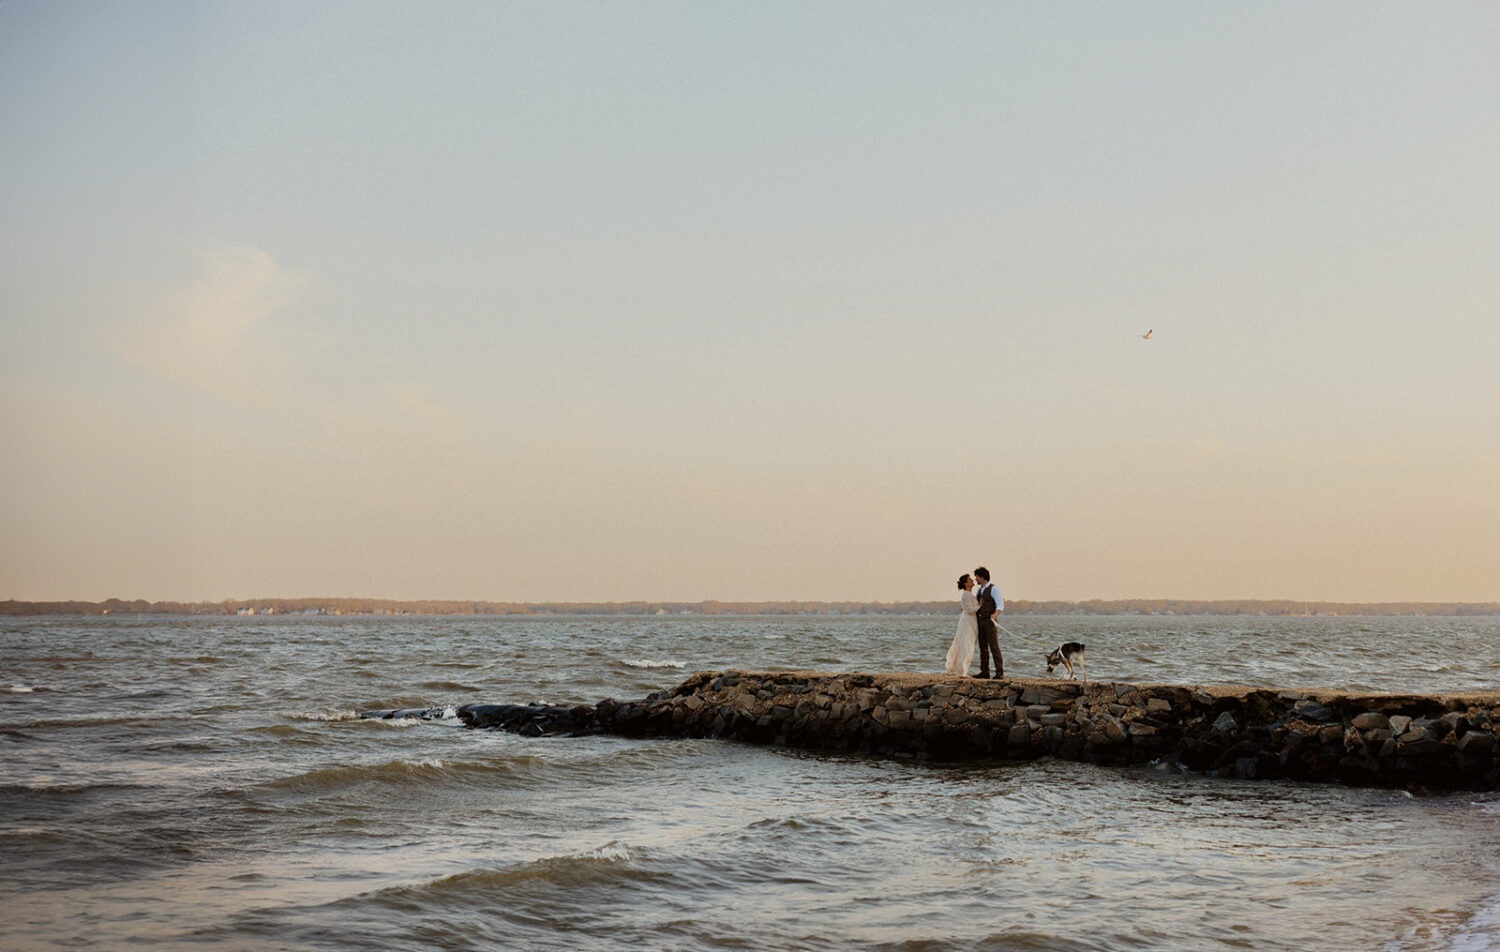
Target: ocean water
pixel 205 782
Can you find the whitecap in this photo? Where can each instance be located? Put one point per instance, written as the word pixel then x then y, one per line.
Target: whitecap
pixel 327 716
pixel 1482 932
pixel 21 689
pixel 614 851
pixel 648 663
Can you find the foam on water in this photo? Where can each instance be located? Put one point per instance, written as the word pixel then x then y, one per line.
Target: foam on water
pixel 1482 932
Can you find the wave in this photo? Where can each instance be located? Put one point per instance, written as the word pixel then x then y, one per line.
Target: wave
pixel 648 663
pixel 403 704
pixel 86 722
pixel 48 787
pixel 325 716
pixel 1482 932
pixel 196 660
pixel 278 730
pixel 611 864
pixel 398 773
pixel 22 689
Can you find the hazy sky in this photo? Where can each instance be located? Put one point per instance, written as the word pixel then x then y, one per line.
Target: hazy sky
pixel 742 301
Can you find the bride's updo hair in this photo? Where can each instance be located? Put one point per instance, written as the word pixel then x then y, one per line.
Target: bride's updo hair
pixel 962 579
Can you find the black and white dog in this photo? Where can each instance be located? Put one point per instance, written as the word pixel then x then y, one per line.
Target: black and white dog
pixel 1067 655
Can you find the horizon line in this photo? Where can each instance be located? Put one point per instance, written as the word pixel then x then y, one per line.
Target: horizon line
pixel 471 606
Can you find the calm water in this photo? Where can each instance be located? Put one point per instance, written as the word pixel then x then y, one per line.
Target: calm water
pixel 203 782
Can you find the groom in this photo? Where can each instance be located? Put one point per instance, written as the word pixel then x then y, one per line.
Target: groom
pixel 991 603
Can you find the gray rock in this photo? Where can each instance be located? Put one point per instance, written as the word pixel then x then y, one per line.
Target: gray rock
pixel 1311 710
pixel 1476 743
pixel 1371 720
pixel 1455 722
pixel 1436 728
pixel 1225 722
pixel 1399 723
pixel 1418 742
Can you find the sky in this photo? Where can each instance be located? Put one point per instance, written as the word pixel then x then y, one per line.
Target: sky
pixel 749 301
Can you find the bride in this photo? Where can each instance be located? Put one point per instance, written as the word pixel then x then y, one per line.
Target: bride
pixel 967 638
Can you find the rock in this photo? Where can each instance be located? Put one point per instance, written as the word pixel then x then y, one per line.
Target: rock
pixel 1435 728
pixel 1476 744
pixel 1418 742
pixel 1400 740
pixel 1312 710
pixel 1371 720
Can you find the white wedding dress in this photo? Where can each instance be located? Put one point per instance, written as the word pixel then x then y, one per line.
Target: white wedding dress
pixel 966 640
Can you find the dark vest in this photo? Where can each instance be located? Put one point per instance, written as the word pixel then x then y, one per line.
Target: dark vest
pixel 987 604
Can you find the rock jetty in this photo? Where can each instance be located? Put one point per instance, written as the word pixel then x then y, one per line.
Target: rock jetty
pixel 1429 742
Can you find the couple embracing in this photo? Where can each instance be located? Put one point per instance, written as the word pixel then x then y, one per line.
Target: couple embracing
pixel 976 626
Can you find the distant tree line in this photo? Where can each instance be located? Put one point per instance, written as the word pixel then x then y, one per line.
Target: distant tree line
pixel 380 606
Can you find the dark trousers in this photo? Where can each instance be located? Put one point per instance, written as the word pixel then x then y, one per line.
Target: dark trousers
pixel 989 643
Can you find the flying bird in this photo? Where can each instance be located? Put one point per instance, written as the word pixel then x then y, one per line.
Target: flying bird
pixel 1147 335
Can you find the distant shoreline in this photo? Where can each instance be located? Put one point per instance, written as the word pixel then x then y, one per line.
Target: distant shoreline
pixel 376 606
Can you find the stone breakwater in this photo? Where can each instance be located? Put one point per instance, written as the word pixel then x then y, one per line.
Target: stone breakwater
pixel 1446 742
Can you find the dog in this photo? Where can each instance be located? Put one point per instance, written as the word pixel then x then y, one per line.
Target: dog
pixel 1068 654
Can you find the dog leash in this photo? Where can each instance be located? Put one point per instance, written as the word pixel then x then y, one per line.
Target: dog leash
pixel 1035 644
